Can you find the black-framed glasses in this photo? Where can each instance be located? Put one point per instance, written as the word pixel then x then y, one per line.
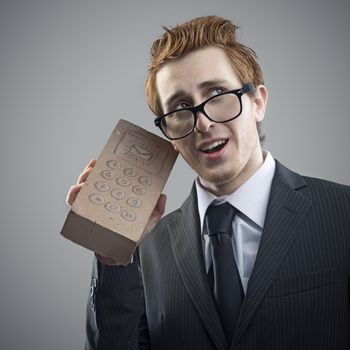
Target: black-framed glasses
pixel 220 108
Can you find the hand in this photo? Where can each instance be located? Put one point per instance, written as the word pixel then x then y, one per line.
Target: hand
pixel 75 189
pixel 152 222
pixel 157 213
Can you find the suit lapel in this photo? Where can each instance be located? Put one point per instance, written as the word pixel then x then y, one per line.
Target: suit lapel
pixel 286 211
pixel 187 248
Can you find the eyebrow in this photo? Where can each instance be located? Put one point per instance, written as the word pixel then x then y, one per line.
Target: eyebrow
pixel 174 97
pixel 211 83
pixel 200 86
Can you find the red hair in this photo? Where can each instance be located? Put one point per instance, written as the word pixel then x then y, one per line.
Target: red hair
pixel 195 34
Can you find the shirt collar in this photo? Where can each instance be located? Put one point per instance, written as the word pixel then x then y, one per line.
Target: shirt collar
pixel 251 198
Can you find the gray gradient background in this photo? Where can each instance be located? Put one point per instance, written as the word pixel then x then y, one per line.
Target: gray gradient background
pixel 70 69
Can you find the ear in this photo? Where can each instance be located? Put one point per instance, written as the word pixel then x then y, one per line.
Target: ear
pixel 260 102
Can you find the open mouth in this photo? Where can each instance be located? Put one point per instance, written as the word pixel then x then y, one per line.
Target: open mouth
pixel 214 147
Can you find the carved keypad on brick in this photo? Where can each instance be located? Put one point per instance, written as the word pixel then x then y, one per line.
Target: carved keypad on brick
pixel 113 207
pixel 120 190
pixel 113 164
pixel 96 199
pixel 118 194
pixel 102 186
pixel 108 174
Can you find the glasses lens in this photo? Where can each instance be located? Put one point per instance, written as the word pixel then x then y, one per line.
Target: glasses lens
pixel 178 124
pixel 223 107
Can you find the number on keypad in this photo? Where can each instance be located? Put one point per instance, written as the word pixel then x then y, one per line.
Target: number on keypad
pixel 124 200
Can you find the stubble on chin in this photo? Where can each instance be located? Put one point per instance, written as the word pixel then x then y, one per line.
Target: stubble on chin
pixel 218 176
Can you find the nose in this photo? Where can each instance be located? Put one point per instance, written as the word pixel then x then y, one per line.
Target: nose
pixel 203 123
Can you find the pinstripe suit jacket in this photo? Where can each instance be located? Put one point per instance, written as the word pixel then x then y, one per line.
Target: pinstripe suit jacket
pixel 297 296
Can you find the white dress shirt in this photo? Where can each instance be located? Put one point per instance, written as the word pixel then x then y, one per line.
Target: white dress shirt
pixel 251 200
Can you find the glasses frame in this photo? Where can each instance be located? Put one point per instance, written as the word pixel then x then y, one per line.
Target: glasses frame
pixel 249 87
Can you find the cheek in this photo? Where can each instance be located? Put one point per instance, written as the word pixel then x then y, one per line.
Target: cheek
pixel 244 131
pixel 183 146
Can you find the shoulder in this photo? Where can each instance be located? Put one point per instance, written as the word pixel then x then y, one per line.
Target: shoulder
pixel 326 188
pixel 310 184
pixel 330 201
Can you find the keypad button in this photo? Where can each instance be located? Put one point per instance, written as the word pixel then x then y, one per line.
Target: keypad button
pixel 134 202
pixel 118 194
pixel 108 174
pixel 96 199
pixel 102 186
pixel 145 180
pixel 123 181
pixel 113 164
pixel 139 190
pixel 128 215
pixel 112 207
pixel 130 172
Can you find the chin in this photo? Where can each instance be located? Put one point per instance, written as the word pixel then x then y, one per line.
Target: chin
pixel 219 178
pixel 219 175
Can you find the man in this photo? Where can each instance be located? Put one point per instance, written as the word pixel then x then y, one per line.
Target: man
pixel 287 283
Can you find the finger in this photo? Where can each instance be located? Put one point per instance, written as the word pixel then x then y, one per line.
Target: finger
pixel 155 216
pixel 72 193
pixel 83 176
pixel 91 164
pixel 160 207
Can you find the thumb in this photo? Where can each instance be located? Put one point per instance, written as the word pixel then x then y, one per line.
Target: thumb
pixel 157 213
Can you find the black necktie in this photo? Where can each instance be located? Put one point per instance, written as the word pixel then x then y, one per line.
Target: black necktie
pixel 227 288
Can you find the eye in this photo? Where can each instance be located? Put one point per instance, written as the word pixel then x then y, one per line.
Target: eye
pixel 217 90
pixel 180 105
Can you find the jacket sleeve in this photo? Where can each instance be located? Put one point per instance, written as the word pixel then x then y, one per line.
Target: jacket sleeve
pixel 116 316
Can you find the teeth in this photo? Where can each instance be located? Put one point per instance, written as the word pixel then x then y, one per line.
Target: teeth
pixel 213 145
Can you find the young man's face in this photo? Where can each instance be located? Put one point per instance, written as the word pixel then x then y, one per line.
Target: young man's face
pixel 194 78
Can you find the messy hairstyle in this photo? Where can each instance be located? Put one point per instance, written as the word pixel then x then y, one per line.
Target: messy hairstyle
pixel 197 33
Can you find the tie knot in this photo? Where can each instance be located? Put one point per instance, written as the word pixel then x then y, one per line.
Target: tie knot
pixel 219 218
